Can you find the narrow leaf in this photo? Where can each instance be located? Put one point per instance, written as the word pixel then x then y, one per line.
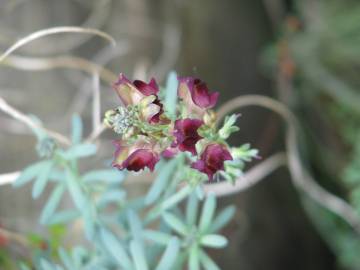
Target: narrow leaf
pixel 112 196
pixel 192 209
pixel 109 176
pixel 77 129
pixel 207 212
pixel 161 181
pixel 65 259
pixel 193 262
pixel 214 241
pixel 30 173
pixel 79 151
pixel 175 199
pixel 171 93
pixel 75 190
pixel 222 219
pixel 41 180
pixel 157 237
pixel 52 204
pixel 114 247
pixel 175 223
pixel 207 262
pixel 170 254
pixel 135 225
pixel 23 266
pixel 45 265
pixel 63 217
pixel 89 222
pixel 138 256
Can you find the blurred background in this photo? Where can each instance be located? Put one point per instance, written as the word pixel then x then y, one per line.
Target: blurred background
pixel 305 53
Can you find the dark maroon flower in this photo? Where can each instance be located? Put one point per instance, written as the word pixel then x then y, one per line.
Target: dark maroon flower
pixel 132 93
pixel 212 159
pixel 186 134
pixel 198 92
pixel 135 157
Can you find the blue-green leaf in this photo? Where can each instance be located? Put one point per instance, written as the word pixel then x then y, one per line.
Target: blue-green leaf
pixel 207 212
pixel 161 181
pixel 75 190
pixel 109 176
pixel 194 263
pixel 63 217
pixel 135 225
pixel 66 260
pixel 79 151
pixel 214 241
pixel 222 218
pixel 138 255
pixel 45 265
pixel 23 266
pixel 200 192
pixel 42 179
pixel 175 223
pixel 77 129
pixel 176 198
pixel 78 255
pixel 157 237
pixel 170 254
pixel 207 262
pixel 114 247
pixel 171 94
pixel 30 173
pixel 52 204
pixel 112 196
pixel 192 209
pixel 89 217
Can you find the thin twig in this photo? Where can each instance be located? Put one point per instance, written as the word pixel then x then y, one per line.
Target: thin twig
pixel 250 178
pixel 96 133
pixel 8 178
pixel 8 109
pixel 97 17
pixel 53 31
pixel 82 96
pixel 299 174
pixel 96 109
pixel 39 64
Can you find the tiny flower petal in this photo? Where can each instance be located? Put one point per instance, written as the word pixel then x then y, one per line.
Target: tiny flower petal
pixel 198 91
pixel 147 89
pixel 156 117
pixel 186 134
pixel 212 159
pixel 135 157
pixel 151 112
pixel 126 91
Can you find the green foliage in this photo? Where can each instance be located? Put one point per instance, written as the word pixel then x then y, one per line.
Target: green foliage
pixel 229 127
pixel 171 94
pixel 148 232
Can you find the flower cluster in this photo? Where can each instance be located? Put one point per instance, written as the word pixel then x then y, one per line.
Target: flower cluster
pixel 147 133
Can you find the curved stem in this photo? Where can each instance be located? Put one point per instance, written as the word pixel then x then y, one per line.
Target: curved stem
pixel 301 178
pixel 249 179
pixel 8 109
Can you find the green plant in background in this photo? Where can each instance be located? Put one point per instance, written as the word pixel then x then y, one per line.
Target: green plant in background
pixel 153 231
pixel 318 58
